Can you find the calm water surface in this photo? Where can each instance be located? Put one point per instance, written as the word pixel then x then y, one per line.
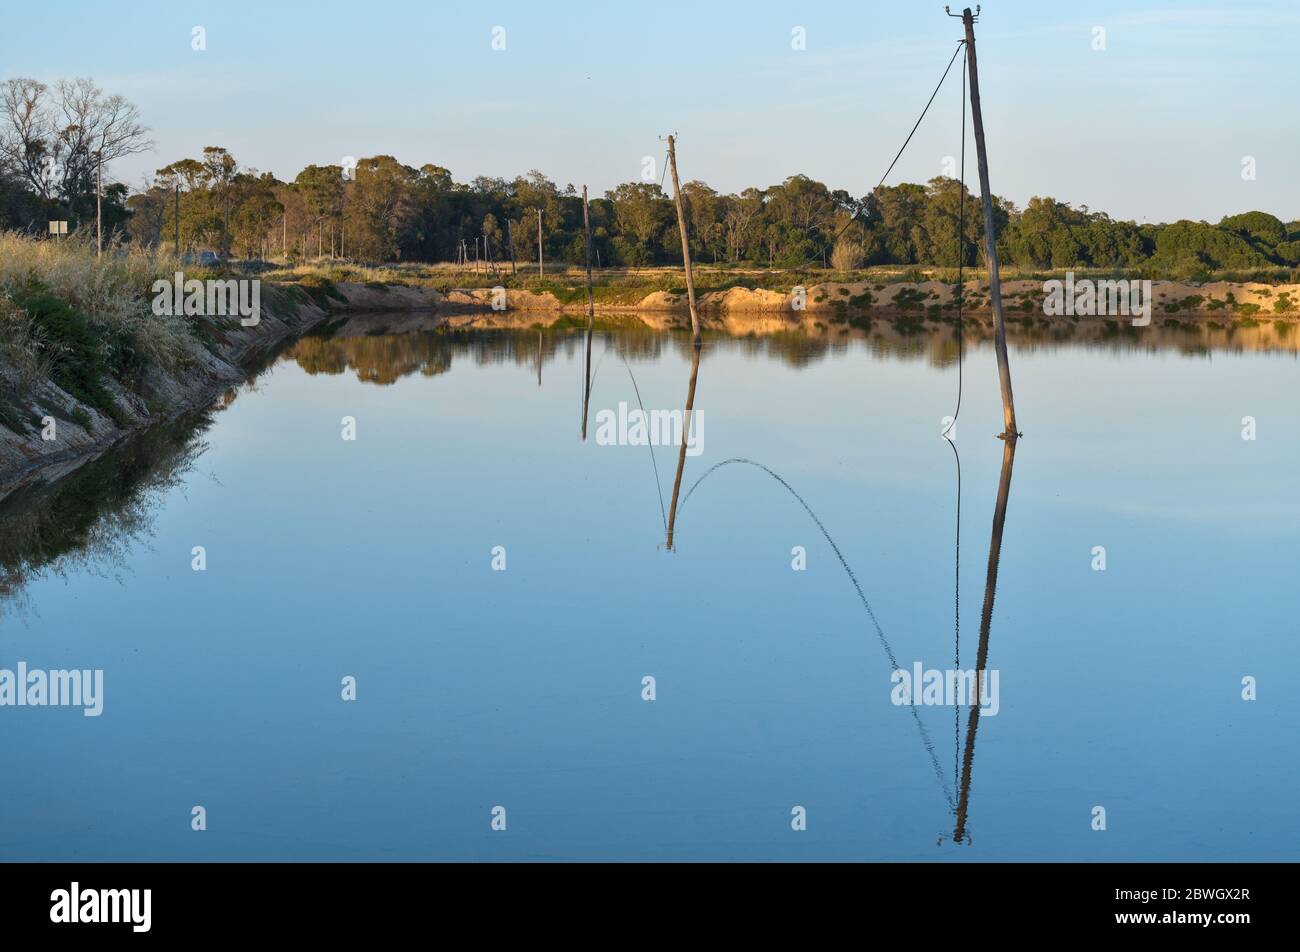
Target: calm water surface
pixel 522 688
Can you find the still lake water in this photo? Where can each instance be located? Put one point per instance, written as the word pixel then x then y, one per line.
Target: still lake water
pixel 522 688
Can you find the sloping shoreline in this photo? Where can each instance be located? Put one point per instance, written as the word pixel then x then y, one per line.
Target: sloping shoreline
pixel 1190 318
pixel 82 433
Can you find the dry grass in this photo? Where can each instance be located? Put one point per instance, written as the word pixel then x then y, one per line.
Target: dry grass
pixel 113 291
pixel 27 355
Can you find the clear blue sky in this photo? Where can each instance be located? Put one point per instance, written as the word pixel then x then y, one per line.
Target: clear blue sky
pixel 1154 127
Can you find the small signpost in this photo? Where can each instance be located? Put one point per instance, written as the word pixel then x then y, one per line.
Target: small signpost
pixel 58 228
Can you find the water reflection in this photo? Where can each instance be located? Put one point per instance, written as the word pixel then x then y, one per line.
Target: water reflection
pixel 507 451
pixel 93 519
pixel 687 418
pixel 382 348
pixel 960 834
pixel 586 388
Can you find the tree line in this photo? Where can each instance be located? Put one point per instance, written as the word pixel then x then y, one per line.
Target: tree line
pixel 382 210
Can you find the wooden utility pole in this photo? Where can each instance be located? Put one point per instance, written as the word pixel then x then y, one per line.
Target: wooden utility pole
pixel 686 248
pixel 99 198
pixel 284 236
pixel 990 238
pixel 178 218
pixel 541 266
pixel 510 239
pixel 586 226
pixel 591 312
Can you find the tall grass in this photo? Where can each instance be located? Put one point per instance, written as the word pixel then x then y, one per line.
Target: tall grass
pixel 59 298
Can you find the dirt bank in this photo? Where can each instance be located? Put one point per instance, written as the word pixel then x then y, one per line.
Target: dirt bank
pixel 80 432
pixel 1220 301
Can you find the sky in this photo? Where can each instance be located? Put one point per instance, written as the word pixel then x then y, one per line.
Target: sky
pixel 1156 126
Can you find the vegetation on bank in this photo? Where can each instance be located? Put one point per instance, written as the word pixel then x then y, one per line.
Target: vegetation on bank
pixel 383 210
pixel 87 323
pixel 79 320
pixel 389 212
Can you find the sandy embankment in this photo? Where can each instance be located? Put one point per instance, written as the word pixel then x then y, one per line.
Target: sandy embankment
pixel 757 311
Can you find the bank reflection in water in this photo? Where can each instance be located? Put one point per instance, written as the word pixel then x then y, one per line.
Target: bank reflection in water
pixel 93 519
pixel 383 348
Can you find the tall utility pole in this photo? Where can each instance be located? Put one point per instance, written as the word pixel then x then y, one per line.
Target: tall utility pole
pixel 686 248
pixel 284 236
pixel 178 218
pixel 99 197
pixel 586 227
pixel 990 239
pixel 510 239
pixel 591 311
pixel 541 266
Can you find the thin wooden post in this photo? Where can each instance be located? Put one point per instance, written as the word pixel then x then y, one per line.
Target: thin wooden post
pixel 686 248
pixel 586 226
pixel 541 265
pixel 990 238
pixel 99 210
pixel 591 312
pixel 510 237
pixel 178 218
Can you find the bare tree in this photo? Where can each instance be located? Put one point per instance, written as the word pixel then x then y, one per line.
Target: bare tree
pixel 26 132
pixel 54 136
